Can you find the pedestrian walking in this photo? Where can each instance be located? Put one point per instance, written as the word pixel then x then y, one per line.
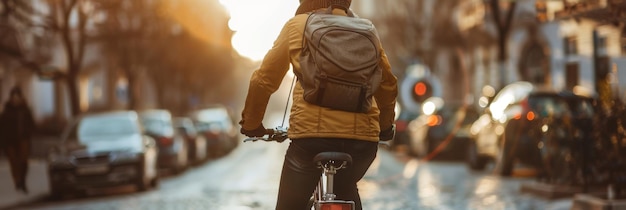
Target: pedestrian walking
pixel 17 126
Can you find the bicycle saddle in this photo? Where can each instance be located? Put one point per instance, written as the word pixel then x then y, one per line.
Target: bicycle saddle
pixel 335 158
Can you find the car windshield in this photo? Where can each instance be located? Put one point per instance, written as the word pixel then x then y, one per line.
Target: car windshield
pixel 546 106
pixel 213 126
pixel 582 108
pixel 157 126
pixel 213 119
pixel 96 127
pixel 107 133
pixel 186 126
pixel 452 114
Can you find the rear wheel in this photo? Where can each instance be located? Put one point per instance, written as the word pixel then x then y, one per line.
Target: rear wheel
pixel 154 183
pixel 56 194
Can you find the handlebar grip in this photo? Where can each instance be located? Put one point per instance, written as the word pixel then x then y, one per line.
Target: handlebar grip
pixel 278 134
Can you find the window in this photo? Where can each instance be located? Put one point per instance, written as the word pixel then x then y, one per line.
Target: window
pixel 572 75
pixel 571 47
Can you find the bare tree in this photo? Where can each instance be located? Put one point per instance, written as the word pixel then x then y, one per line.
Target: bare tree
pixel 73 39
pixel 129 35
pixel 17 16
pixel 503 27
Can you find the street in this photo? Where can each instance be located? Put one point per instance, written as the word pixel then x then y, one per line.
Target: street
pixel 248 178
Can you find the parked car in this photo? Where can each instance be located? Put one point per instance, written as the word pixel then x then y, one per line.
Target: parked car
pixel 447 126
pixel 173 152
pixel 519 123
pixel 197 144
pixel 568 161
pixel 102 150
pixel 217 125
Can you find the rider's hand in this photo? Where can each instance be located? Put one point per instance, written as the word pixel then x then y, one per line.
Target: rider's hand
pixel 388 134
pixel 258 132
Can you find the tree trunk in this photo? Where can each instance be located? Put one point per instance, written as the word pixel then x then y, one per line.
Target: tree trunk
pixel 502 57
pixel 504 29
pixel 72 88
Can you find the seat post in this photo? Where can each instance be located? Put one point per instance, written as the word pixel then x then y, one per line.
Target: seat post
pixel 330 181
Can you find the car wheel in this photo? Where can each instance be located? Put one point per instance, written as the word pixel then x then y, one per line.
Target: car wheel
pixel 81 193
pixel 154 183
pixel 505 160
pixel 143 185
pixel 474 160
pixel 56 194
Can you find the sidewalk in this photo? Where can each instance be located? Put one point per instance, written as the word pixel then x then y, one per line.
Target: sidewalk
pixel 37 178
pixel 37 183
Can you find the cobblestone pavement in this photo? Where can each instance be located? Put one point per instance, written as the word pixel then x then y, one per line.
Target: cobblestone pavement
pixel 248 179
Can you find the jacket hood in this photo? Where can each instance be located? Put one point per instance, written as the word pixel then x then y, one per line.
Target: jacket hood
pixel 311 5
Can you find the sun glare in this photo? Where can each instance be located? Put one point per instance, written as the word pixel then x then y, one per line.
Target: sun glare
pixel 257 23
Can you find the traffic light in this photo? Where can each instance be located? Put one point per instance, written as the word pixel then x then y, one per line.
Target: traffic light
pixel 422 90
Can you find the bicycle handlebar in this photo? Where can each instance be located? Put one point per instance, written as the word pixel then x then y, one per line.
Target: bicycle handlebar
pixel 278 134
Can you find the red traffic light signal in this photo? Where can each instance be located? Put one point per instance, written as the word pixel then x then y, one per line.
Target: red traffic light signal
pixel 422 90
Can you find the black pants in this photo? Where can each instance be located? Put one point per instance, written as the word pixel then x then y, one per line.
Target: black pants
pixel 17 154
pixel 300 175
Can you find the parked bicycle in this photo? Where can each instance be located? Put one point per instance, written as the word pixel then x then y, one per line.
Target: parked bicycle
pixel 330 162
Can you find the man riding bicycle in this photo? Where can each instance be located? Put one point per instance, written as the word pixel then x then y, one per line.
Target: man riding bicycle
pixel 314 129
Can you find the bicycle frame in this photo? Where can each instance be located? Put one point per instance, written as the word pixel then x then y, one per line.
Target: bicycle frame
pixel 323 197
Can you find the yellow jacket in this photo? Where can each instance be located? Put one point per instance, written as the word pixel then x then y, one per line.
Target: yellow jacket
pixel 309 120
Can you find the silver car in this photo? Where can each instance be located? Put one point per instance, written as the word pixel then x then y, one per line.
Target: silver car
pixel 103 150
pixel 173 148
pixel 218 127
pixel 197 143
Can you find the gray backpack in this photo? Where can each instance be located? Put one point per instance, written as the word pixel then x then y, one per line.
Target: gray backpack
pixel 340 62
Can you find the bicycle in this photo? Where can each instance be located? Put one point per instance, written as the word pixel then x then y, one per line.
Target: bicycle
pixel 323 197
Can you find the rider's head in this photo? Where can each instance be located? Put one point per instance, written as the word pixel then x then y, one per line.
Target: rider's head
pixel 310 5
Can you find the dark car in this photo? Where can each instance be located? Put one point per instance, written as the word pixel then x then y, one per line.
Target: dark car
pixel 444 129
pixel 568 160
pixel 102 150
pixel 196 142
pixel 517 127
pixel 218 127
pixel 173 152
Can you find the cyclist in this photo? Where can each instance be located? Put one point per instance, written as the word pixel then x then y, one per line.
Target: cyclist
pixel 314 129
